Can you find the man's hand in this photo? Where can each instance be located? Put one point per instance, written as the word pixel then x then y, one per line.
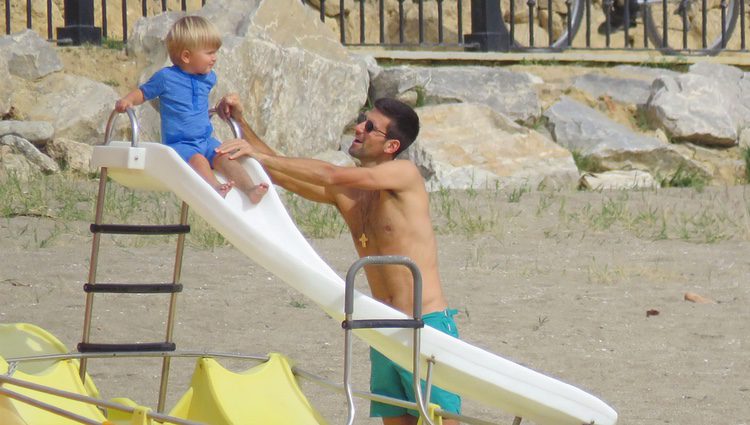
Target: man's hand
pixel 237 148
pixel 230 106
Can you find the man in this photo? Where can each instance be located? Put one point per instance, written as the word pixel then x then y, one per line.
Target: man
pixel 386 207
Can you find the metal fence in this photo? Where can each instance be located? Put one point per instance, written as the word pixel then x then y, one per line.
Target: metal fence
pixel 672 26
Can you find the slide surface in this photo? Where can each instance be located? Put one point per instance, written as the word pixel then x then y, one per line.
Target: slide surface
pixel 266 234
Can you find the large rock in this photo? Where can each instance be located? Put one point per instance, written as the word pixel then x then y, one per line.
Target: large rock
pixel 77 107
pixel 72 155
pixel 22 158
pixel 618 180
pixel 299 86
pixel 646 73
pixel 465 146
pixel 614 146
pixel 15 165
pixel 734 86
pixel 36 132
pixel 722 166
pixel 510 93
pixel 624 90
pixel 28 56
pixel 692 108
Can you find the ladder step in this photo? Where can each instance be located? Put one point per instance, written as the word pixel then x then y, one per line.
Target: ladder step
pixel 133 288
pixel 87 347
pixel 141 229
pixel 383 323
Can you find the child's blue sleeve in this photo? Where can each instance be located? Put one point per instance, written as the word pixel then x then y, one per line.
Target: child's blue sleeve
pixel 154 87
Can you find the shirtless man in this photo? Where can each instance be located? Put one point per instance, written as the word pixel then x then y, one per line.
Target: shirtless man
pixel 386 206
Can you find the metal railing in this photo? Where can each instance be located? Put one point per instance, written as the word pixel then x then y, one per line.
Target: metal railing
pixel 672 26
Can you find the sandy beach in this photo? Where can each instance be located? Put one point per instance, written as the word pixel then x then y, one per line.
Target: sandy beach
pixel 586 287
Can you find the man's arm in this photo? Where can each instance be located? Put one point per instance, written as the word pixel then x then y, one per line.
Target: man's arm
pixel 230 106
pixel 393 175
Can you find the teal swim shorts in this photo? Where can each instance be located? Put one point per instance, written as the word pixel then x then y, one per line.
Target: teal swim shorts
pixel 391 380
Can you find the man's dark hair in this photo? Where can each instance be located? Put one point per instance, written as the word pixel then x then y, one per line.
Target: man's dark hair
pixel 404 125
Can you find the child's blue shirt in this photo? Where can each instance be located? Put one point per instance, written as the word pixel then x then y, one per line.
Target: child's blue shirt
pixel 183 104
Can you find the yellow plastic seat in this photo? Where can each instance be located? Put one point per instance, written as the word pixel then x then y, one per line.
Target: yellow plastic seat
pixel 21 339
pixel 8 412
pixel 265 394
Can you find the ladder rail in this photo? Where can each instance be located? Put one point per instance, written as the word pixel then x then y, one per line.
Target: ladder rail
pixel 94 261
pixel 177 274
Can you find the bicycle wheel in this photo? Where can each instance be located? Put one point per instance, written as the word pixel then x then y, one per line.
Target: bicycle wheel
pixel 684 25
pixel 544 24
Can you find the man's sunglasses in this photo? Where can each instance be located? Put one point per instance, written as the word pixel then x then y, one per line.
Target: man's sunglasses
pixel 369 126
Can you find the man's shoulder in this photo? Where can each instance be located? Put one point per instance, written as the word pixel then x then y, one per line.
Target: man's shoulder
pixel 404 167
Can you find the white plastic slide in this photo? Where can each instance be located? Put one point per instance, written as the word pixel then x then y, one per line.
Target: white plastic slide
pixel 265 233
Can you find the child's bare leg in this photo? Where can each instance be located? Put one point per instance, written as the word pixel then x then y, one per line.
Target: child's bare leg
pixel 233 170
pixel 201 165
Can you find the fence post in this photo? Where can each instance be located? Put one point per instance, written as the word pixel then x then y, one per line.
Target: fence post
pixel 488 33
pixel 79 24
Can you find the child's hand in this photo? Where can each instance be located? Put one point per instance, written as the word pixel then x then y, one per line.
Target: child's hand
pixel 122 105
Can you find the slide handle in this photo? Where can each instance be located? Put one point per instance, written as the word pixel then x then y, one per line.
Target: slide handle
pixel 236 130
pixel 384 259
pixel 134 127
pixel 416 323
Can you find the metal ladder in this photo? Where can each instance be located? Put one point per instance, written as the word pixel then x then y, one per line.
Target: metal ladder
pixel 93 286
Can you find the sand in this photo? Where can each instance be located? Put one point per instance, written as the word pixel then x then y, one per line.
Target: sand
pixel 551 285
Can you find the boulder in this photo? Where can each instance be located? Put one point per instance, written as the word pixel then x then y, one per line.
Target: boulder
pixel 614 146
pixel 467 145
pixel 692 108
pixel 734 86
pixel 720 166
pixel 28 56
pixel 618 180
pixel 507 92
pixel 23 158
pixel 36 132
pixel 623 90
pixel 15 165
pixel 77 107
pixel 72 155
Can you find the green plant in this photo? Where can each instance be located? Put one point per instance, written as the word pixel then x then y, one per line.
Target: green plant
pixel 746 158
pixel 677 63
pixel 641 120
pixel 587 163
pixel 111 43
pixel 541 320
pixel 421 96
pixel 515 195
pixel 298 303
pixel 602 274
pixel 684 178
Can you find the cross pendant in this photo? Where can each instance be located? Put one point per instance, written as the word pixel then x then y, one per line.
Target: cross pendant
pixel 363 240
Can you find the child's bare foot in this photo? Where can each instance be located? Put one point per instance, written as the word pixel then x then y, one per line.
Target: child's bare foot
pixel 257 192
pixel 223 188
